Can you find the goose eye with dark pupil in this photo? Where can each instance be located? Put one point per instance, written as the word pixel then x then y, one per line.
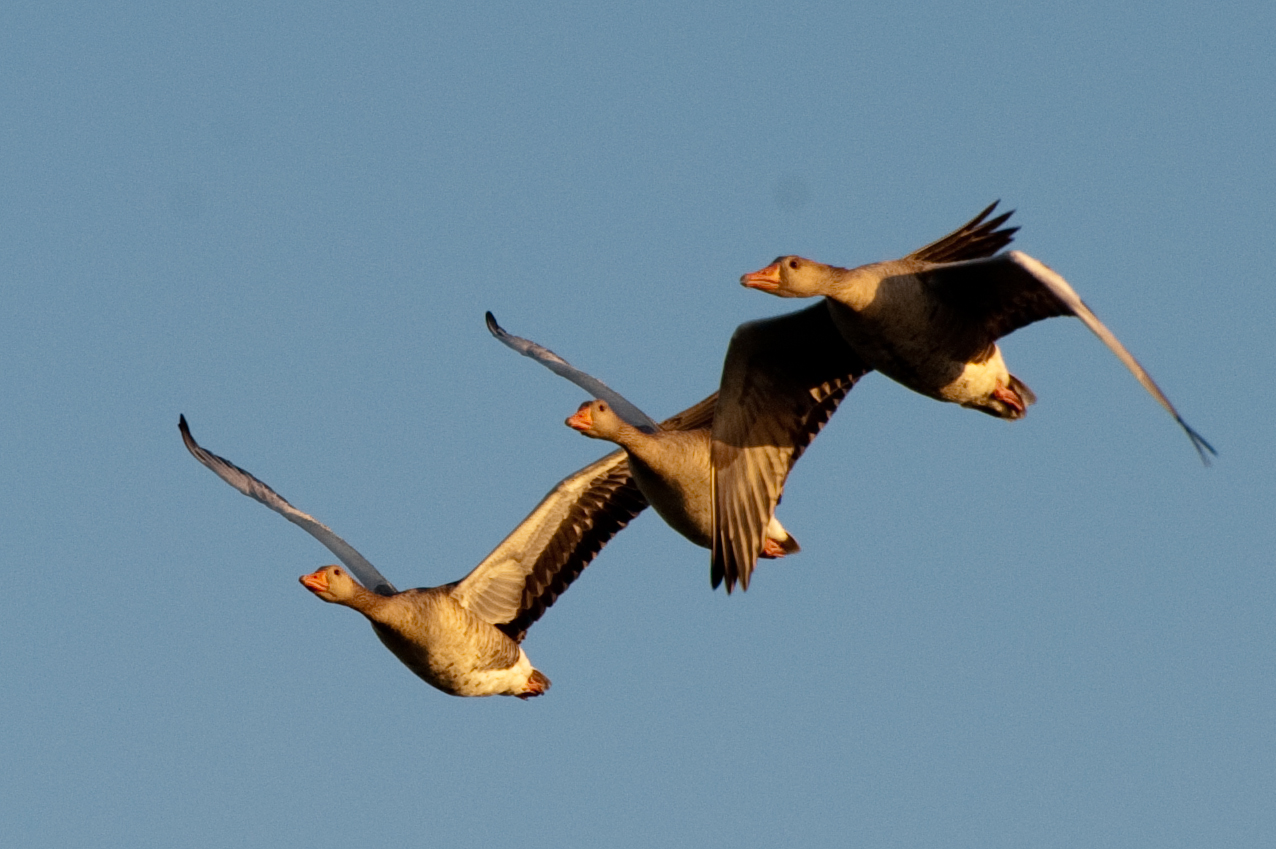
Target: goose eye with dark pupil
pixel 793 263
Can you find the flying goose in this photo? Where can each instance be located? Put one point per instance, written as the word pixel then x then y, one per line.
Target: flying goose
pixel 670 467
pixel 931 320
pixel 674 470
pixel 464 637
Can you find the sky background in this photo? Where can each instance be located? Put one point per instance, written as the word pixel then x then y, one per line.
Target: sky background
pixel 286 220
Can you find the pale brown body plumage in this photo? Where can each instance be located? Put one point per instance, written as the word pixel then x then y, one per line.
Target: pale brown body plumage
pixel 887 316
pixel 437 637
pixel 673 471
pixel 468 657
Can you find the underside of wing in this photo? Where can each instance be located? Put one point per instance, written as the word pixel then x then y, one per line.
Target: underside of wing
pixel 974 239
pixel 540 558
pixel 244 481
pixel 537 562
pixel 696 416
pixel 782 380
pixel 592 385
pixel 986 299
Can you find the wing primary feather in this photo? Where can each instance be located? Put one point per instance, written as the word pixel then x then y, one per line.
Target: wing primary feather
pixel 974 239
pixel 595 387
pixel 717 561
pixel 612 502
pixel 249 485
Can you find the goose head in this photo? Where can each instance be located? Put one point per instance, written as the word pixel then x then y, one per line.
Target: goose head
pixel 790 277
pixel 596 419
pixel 332 584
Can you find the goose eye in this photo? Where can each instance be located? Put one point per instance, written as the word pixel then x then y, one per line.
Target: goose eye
pixel 793 263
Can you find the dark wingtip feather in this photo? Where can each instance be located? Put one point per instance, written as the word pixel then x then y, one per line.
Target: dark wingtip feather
pixel 723 568
pixel 975 239
pixel 186 433
pixel 614 501
pixel 717 567
pixel 1198 442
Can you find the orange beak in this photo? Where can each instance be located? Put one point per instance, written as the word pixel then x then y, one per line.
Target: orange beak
pixel 768 279
pixel 316 582
pixel 582 419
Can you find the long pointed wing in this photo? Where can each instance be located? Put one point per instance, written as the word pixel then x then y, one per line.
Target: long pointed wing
pixel 996 296
pixel 782 380
pixel 595 387
pixel 534 565
pixel 244 481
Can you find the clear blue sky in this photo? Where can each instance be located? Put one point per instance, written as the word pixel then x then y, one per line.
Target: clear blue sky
pixel 286 221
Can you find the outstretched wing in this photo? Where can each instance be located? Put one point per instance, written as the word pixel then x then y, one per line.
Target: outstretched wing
pixel 993 297
pixel 534 565
pixel 244 481
pixel 782 380
pixel 592 385
pixel 972 240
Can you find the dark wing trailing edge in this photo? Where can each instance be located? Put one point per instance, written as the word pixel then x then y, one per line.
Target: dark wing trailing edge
pixel 515 584
pixel 537 562
pixel 602 511
pixel 595 387
pixel 244 481
pixel 974 239
pixel 782 380
pixel 996 296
